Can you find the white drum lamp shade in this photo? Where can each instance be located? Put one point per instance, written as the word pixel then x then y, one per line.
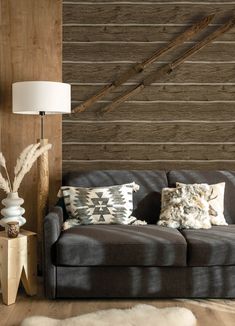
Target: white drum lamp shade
pixel 33 97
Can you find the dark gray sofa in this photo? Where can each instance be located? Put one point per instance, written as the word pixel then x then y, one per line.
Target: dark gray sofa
pixel 141 261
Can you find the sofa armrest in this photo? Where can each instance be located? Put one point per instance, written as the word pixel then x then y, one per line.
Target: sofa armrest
pixel 52 228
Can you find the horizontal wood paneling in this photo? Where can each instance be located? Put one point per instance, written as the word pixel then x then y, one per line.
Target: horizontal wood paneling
pixel 189 73
pixel 148 132
pixel 159 112
pixel 151 152
pixel 144 13
pixel 132 33
pixel 185 120
pixel 138 51
pixel 163 93
pixel 145 165
pixel 224 2
pixel 75 2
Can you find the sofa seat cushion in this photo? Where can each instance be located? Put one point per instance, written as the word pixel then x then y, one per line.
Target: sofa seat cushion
pixel 121 245
pixel 213 247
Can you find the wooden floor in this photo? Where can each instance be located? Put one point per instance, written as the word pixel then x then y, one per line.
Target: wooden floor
pixel 208 312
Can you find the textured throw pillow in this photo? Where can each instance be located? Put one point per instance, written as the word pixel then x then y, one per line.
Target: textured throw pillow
pixel 216 202
pixel 185 207
pixel 102 205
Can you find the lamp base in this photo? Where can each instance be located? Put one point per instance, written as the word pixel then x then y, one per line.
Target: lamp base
pixel 42 198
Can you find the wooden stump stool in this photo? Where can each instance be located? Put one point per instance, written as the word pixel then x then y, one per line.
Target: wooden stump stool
pixel 18 261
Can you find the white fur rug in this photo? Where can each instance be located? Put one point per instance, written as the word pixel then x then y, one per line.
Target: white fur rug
pixel 137 316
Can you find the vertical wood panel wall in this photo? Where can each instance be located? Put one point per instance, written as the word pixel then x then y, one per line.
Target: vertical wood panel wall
pixel 186 120
pixel 30 49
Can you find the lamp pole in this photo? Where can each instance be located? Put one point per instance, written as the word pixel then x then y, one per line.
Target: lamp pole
pixel 42 114
pixel 42 191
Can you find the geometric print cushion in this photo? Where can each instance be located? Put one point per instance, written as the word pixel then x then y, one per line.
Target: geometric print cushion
pixel 100 205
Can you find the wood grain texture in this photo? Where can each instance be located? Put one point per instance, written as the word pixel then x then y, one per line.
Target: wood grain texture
pixel 138 68
pixel 187 73
pixel 139 51
pixel 142 13
pixel 151 151
pixel 168 68
pixel 136 33
pixel 218 312
pixel 165 92
pixel 145 165
pixel 183 121
pixel 151 1
pixel 42 198
pixel 148 132
pixel 159 111
pixel 31 38
pixel 18 261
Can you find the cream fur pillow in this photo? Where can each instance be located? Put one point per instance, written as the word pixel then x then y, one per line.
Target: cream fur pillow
pixel 185 206
pixel 216 202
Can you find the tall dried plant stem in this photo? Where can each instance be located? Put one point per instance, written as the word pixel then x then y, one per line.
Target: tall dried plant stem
pixel 3 164
pixel 8 178
pixel 24 165
pixel 4 184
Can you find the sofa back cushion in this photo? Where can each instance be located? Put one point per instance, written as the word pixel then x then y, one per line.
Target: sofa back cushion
pixel 147 201
pixel 210 177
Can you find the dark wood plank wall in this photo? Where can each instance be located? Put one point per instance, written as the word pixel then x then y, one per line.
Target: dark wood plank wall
pixel 186 120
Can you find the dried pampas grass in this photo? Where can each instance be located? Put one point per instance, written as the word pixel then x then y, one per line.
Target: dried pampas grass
pixel 5 184
pixel 23 165
pixel 22 158
pixel 2 161
pixel 26 161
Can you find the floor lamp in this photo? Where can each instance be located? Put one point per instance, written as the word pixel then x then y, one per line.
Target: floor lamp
pixel 41 97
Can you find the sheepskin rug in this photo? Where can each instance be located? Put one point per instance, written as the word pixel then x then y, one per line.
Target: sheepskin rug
pixel 139 315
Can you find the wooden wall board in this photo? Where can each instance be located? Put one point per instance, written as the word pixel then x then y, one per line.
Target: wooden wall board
pixel 150 151
pixel 136 52
pixel 150 1
pixel 30 49
pixel 124 33
pixel 121 131
pixel 162 92
pixel 186 120
pixel 92 73
pixel 159 111
pixel 70 166
pixel 142 13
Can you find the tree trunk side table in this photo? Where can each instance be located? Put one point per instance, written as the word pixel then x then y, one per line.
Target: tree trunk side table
pixel 18 261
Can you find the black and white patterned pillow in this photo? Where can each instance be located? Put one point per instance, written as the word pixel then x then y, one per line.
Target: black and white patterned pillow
pixel 101 205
